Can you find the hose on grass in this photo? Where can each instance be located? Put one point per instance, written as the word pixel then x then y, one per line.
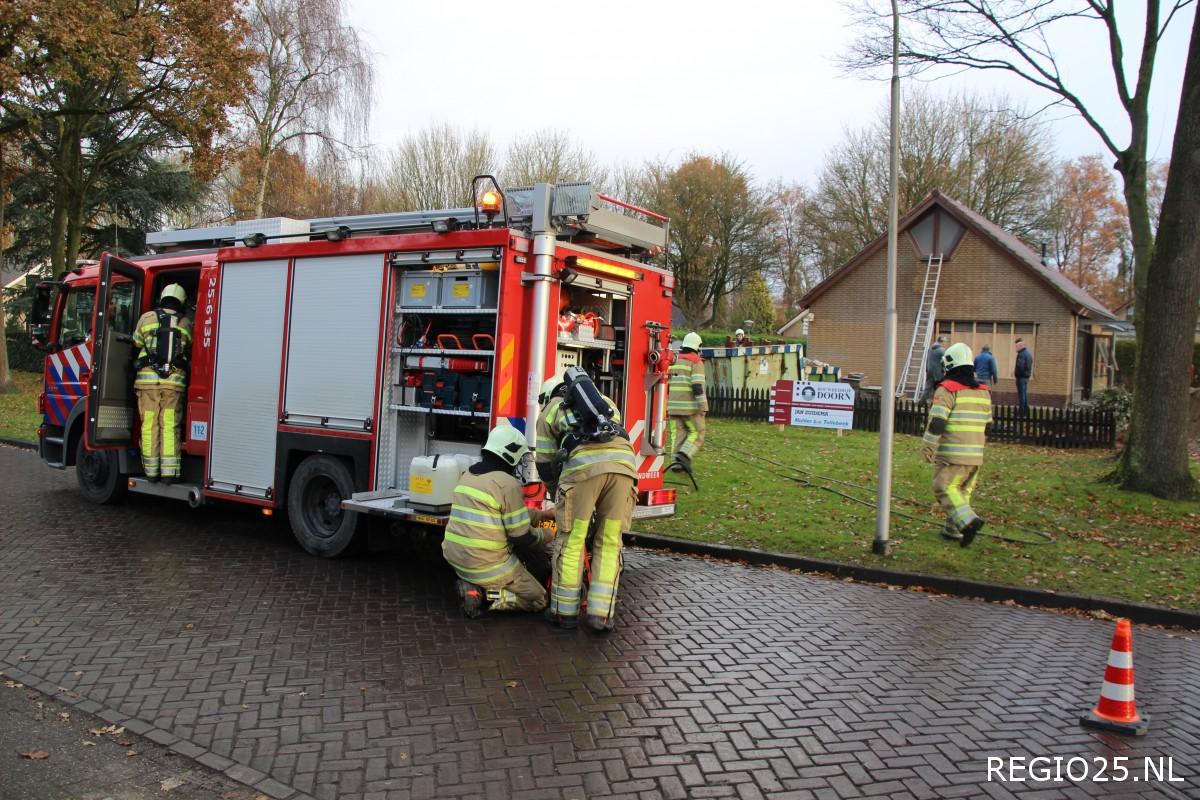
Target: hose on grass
pixel 1032 535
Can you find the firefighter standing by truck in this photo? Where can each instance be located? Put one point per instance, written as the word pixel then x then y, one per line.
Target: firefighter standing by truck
pixel 954 439
pixel 686 402
pixel 589 457
pixel 163 338
pixel 488 519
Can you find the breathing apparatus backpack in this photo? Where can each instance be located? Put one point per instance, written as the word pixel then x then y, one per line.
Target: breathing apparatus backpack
pixel 593 416
pixel 166 351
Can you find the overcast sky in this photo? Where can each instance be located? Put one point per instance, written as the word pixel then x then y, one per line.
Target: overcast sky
pixel 635 81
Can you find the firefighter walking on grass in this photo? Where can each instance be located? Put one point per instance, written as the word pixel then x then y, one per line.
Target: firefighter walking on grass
pixel 488 520
pixel 163 338
pixel 954 439
pixel 596 477
pixel 686 401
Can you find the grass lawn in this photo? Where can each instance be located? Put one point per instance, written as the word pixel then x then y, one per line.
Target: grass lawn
pixel 1108 543
pixel 19 417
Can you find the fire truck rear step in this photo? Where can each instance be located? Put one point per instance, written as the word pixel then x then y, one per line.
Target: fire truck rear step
pixel 189 492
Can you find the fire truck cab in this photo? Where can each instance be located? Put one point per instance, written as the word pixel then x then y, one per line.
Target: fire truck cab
pixel 334 357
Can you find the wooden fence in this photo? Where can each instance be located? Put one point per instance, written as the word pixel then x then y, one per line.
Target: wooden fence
pixel 1066 428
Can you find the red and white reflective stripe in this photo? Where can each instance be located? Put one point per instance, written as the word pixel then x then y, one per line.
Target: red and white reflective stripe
pixel 636 431
pixel 651 464
pixel 1117 692
pixel 1120 659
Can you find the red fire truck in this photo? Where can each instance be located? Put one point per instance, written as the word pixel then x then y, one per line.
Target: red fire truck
pixel 330 355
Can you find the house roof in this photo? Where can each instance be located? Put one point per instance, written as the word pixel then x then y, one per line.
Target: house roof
pixel 1018 251
pixel 806 312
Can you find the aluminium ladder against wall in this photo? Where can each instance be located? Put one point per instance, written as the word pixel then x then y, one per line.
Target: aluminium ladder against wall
pixel 912 377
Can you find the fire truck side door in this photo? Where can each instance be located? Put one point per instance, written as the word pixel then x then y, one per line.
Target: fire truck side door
pixel 111 406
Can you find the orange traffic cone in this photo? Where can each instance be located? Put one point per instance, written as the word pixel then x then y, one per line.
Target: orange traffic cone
pixel 1117 710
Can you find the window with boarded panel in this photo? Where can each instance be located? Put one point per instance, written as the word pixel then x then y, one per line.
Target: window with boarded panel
pixel 1000 336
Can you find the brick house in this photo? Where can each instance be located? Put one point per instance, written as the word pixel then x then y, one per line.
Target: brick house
pixel 993 289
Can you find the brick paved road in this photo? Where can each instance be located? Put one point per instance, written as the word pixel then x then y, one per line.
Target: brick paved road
pixel 357 679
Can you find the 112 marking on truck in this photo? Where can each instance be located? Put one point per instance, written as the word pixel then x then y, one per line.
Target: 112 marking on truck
pixel 330 353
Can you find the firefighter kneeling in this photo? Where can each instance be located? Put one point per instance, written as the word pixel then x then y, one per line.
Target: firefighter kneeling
pixel 582 448
pixel 954 440
pixel 488 519
pixel 163 339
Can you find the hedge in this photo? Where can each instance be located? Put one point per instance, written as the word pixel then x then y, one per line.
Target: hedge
pixel 22 355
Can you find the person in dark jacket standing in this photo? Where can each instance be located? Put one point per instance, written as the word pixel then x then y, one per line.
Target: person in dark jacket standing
pixel 985 367
pixel 934 370
pixel 1023 371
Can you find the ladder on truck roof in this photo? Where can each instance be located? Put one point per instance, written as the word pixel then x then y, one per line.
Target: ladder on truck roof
pixel 912 378
pixel 577 212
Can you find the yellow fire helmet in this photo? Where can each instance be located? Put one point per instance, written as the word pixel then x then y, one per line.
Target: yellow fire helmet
pixel 508 443
pixel 957 355
pixel 175 292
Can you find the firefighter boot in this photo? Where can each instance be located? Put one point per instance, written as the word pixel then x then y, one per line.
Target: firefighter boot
pixel 472 599
pixel 968 533
pixel 600 624
pixel 950 533
pixel 566 623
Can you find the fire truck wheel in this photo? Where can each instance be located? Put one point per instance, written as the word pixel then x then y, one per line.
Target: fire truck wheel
pixel 100 480
pixel 315 495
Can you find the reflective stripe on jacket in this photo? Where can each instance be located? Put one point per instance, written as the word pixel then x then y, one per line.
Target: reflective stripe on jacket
pixel 486 512
pixel 586 460
pixel 967 413
pixel 685 388
pixel 145 339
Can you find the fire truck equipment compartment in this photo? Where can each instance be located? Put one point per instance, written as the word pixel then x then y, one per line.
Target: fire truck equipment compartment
pixel 248 359
pixel 333 341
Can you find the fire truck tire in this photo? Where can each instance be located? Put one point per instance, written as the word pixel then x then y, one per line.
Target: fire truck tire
pixel 100 479
pixel 315 494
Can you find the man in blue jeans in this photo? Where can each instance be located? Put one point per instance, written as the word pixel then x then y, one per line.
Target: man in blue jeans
pixel 1023 371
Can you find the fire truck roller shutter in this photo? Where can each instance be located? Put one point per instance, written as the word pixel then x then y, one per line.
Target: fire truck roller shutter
pixel 333 341
pixel 246 378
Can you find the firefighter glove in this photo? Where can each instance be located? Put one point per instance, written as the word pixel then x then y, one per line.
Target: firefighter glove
pixel 928 452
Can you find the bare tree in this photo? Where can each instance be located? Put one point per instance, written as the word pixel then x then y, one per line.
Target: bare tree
pixel 791 256
pixel 550 156
pixel 314 83
pixel 982 151
pixel 1020 38
pixel 432 168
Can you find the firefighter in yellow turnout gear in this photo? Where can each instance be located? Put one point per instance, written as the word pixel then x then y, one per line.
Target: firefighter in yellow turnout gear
pixel 594 479
pixel 954 440
pixel 163 338
pixel 686 401
pixel 488 519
